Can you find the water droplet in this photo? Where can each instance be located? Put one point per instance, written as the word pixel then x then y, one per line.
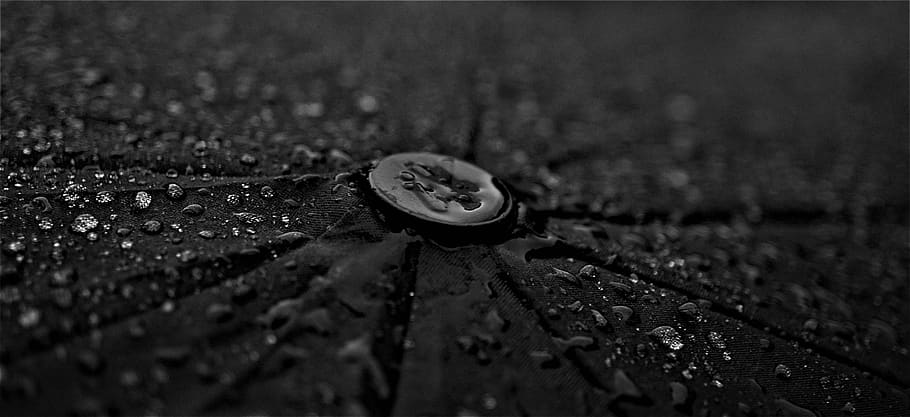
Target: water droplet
pixel 90 362
pixel 248 160
pixel 368 104
pixel 310 109
pixel 63 277
pixel 668 336
pixel 193 210
pixel 599 319
pixel 689 311
pixel 63 298
pixel 583 342
pixel 152 227
pixel 565 276
pixel 243 294
pixel 576 306
pixel 175 192
pixel 717 340
pixel 622 313
pixel 30 317
pixel 588 272
pixel 171 173
pixel 129 378
pixel 233 200
pixel 782 371
pixel 45 223
pixel 168 306
pixel 219 313
pixel 187 256
pixel 489 402
pixel 250 218
pixel 71 194
pixel 544 359
pixel 83 223
pixel 849 408
pixel 143 200
pixel 136 329
pixel 266 192
pixel 680 398
pixel 207 234
pixel 42 204
pixel 621 289
pixel 338 158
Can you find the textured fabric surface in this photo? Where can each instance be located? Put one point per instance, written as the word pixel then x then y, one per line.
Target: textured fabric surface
pixel 713 209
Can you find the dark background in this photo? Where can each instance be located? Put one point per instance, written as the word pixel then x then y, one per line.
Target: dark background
pixel 793 104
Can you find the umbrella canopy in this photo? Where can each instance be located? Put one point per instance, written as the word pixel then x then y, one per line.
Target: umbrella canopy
pixel 709 218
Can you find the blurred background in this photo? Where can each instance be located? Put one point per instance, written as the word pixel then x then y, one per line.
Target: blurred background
pixel 593 107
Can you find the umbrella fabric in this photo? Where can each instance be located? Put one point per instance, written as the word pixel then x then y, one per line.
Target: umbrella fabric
pixel 182 233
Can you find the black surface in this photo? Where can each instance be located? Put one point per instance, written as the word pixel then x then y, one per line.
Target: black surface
pixel 765 145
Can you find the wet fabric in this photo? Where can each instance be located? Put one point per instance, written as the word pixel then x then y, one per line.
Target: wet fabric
pixel 713 219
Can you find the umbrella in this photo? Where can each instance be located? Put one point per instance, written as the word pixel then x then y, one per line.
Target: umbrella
pixel 187 226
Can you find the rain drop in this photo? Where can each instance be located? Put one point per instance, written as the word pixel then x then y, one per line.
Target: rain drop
pixel 83 223
pixel 45 223
pixel 622 313
pixel 689 311
pixel 29 318
pixel 588 272
pixel 565 276
pixel 248 160
pixel 219 313
pixel 599 319
pixel 174 192
pixel 680 397
pixel 152 227
pixel 104 197
pixel 250 218
pixel 668 336
pixel 193 210
pixel 71 193
pixel 782 371
pixel 63 277
pixel 143 200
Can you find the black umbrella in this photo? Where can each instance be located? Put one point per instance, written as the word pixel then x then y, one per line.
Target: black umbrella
pixel 189 223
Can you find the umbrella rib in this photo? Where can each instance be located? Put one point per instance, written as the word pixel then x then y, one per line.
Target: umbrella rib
pixel 235 267
pixel 621 266
pixel 586 372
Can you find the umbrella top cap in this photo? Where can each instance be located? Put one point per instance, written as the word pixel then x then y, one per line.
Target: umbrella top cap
pixel 439 189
